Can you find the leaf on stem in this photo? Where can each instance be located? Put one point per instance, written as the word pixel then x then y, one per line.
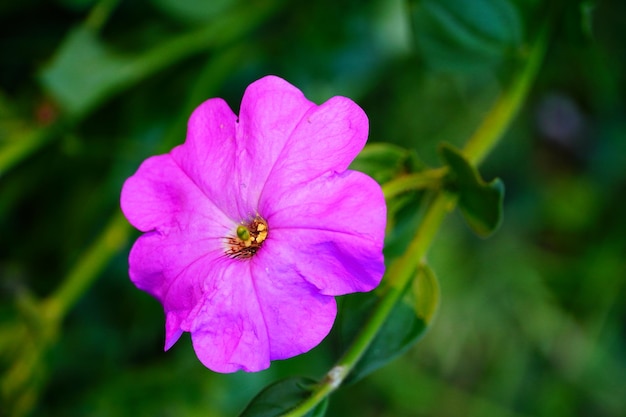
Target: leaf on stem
pixel 465 35
pixel 390 164
pixel 384 162
pixel 480 203
pixel 82 72
pixel 280 397
pixel 406 324
pixel 193 11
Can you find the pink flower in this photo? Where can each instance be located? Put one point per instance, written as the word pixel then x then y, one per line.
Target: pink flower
pixel 254 224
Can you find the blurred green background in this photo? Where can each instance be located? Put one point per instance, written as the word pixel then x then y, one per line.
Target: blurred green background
pixel 532 321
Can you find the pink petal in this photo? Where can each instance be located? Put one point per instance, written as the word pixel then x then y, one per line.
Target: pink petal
pixel 336 263
pixel 327 139
pixel 209 157
pixel 228 329
pixel 185 226
pixel 161 196
pixel 173 331
pixel 271 109
pixel 281 139
pixel 173 268
pixel 350 203
pixel 296 316
pixel 331 231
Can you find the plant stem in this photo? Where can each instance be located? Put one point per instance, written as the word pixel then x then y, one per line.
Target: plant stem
pixel 43 319
pixel 100 14
pixel 91 263
pixel 219 34
pixel 403 270
pixel 506 108
pixel 18 148
pixel 415 181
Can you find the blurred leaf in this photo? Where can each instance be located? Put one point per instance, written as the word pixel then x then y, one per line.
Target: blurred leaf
pixel 425 288
pixel 82 72
pixel 85 72
pixel 479 202
pixel 586 16
pixel 465 34
pixel 10 124
pixel 193 11
pixel 279 397
pixel 406 324
pixel 383 161
pixel 403 216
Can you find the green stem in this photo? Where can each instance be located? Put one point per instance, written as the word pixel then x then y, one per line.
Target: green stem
pixel 100 14
pixel 506 108
pixel 43 319
pixel 403 270
pixel 218 34
pixel 18 148
pixel 87 269
pixel 416 181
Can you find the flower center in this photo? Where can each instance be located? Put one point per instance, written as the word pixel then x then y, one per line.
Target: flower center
pixel 248 239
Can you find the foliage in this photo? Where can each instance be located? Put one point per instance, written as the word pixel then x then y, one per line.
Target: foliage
pixel 526 322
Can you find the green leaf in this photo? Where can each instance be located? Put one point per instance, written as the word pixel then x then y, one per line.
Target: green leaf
pixel 193 11
pixel 280 397
pixel 425 290
pixel 403 216
pixel 480 203
pixel 85 71
pixel 406 324
pixel 465 34
pixel 587 8
pixel 82 72
pixel 383 161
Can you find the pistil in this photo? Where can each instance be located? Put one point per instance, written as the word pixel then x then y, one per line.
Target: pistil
pixel 248 239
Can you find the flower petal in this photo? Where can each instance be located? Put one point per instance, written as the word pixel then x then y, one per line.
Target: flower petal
pixel 334 262
pixel 208 157
pixel 271 109
pixel 227 329
pixel 350 202
pixel 172 268
pixel 184 227
pixel 161 196
pixel 331 231
pixel 297 317
pixel 327 139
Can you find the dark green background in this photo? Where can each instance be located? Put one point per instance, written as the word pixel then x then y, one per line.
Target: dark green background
pixel 531 321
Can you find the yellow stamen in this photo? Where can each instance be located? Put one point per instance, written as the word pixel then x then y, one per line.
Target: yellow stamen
pixel 248 239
